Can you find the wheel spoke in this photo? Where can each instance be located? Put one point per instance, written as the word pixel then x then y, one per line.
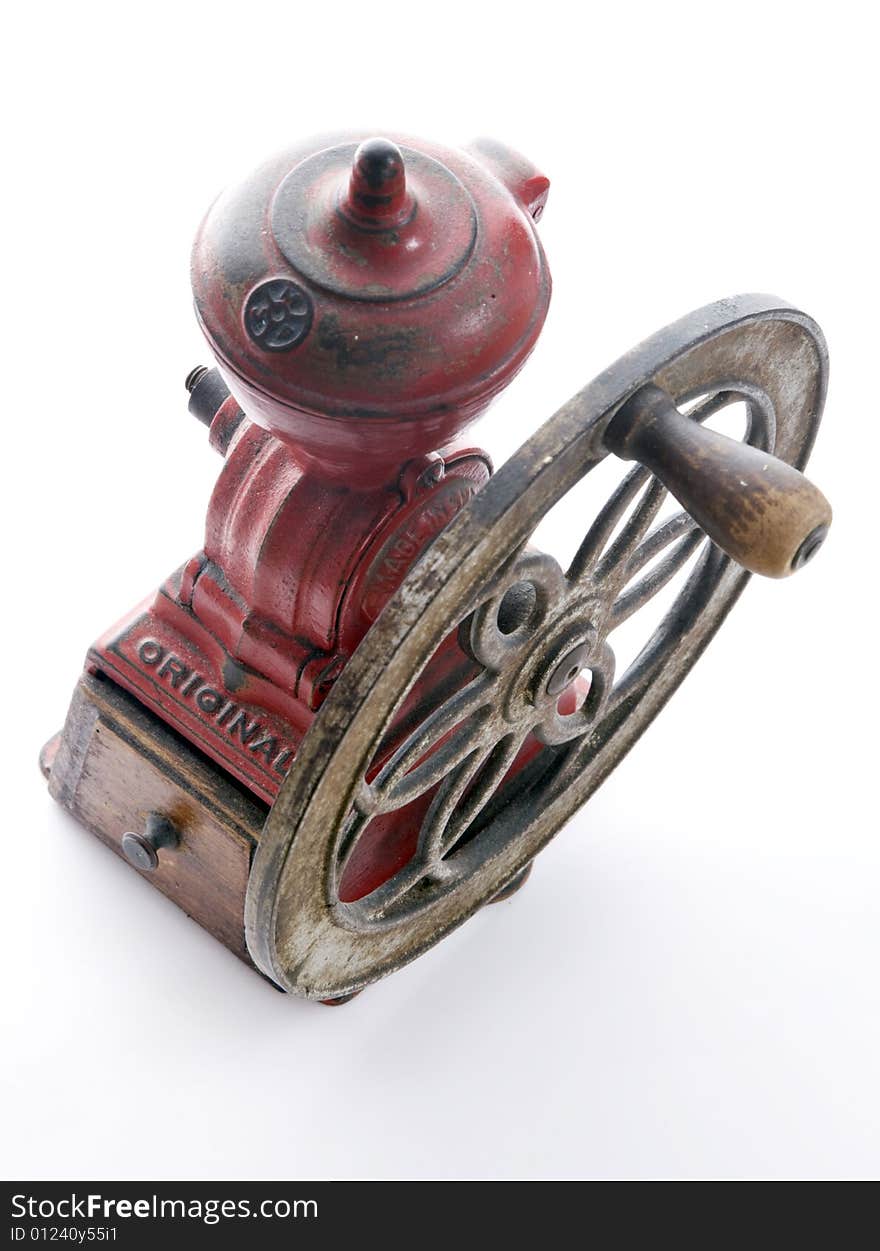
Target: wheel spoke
pixel 494 771
pixel 354 827
pixel 713 404
pixel 434 767
pixel 444 803
pixel 682 523
pixel 702 581
pixel 379 901
pixel 460 799
pixel 648 586
pixel 612 567
pixel 606 522
pixel 457 711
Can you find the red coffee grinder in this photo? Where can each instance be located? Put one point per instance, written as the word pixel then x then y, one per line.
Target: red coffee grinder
pixel 360 711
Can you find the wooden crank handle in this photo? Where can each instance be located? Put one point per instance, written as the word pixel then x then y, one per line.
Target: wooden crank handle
pixel 762 512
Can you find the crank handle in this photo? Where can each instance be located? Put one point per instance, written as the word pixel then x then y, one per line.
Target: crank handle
pixel 762 512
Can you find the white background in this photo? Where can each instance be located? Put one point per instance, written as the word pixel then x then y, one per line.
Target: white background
pixel 688 985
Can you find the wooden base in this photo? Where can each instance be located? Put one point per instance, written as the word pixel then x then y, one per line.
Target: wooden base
pixel 115 763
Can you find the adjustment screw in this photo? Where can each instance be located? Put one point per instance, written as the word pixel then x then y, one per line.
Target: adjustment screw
pixel 207 392
pixel 142 850
pixel 194 377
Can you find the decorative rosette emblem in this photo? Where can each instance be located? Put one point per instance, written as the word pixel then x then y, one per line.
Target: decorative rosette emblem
pixel 278 315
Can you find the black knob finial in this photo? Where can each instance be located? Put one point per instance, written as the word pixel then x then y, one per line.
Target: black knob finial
pixel 377 191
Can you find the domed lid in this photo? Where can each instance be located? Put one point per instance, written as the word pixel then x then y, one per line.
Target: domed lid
pixel 373 278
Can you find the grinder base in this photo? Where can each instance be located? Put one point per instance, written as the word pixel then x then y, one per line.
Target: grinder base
pixel 115 764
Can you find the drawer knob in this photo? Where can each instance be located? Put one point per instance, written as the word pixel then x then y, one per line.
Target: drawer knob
pixel 142 850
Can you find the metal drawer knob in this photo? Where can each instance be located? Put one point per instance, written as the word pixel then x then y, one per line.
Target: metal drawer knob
pixel 142 850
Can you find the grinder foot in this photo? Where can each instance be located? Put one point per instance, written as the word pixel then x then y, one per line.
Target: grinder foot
pixel 337 1003
pixel 48 754
pixel 515 884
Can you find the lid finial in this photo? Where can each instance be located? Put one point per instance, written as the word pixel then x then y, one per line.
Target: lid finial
pixel 377 192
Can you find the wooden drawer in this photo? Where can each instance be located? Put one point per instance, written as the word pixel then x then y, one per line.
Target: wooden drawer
pixel 116 763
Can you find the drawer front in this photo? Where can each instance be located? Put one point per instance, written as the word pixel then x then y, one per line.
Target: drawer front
pixel 116 763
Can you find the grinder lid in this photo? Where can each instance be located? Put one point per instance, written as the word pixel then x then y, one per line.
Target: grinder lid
pixel 365 278
pixel 374 222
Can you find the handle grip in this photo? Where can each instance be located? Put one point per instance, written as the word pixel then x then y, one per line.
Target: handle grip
pixel 762 512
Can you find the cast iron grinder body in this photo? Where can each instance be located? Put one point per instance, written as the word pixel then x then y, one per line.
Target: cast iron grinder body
pixel 365 299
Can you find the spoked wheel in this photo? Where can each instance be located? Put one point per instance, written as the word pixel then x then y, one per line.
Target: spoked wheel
pixel 545 694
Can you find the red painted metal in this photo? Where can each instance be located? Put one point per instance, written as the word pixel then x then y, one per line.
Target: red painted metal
pixel 415 326
pixel 365 300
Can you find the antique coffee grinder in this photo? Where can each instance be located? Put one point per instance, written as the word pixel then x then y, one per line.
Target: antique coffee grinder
pixel 358 713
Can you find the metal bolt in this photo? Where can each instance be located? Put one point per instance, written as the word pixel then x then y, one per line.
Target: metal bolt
pixel 142 850
pixel 568 669
pixel 434 473
pixel 809 547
